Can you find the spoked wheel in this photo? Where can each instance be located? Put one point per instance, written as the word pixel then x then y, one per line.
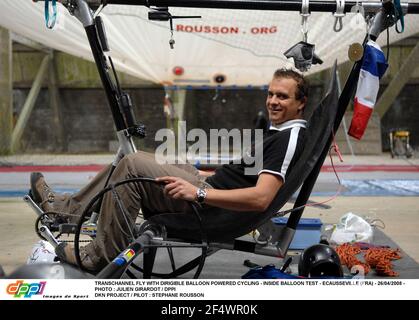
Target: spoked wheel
pixel 150 250
pixel 150 253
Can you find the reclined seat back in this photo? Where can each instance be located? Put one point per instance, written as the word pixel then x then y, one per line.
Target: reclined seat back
pixel 225 225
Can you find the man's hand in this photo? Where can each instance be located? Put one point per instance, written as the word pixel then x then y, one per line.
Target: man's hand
pixel 256 199
pixel 177 188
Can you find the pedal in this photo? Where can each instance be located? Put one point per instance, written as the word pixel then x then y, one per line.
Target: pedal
pixel 28 199
pixel 47 234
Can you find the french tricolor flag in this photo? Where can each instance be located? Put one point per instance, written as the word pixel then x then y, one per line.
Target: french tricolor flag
pixel 374 65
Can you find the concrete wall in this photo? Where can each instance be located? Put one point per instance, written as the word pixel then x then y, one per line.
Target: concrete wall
pixel 72 72
pixel 88 124
pixel 403 114
pixel 6 117
pixel 231 108
pixel 88 121
pixel 371 142
pixel 89 127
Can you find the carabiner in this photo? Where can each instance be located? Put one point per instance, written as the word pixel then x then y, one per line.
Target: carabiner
pixel 305 13
pixel 51 24
pixel 339 14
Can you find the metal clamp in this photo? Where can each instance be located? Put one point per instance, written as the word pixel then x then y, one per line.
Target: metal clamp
pixel 305 13
pixel 358 8
pixel 339 14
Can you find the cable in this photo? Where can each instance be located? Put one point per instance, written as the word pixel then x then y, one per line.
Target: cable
pixel 118 87
pixel 333 147
pixel 124 214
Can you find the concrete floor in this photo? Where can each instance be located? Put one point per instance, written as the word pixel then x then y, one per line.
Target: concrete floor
pixel 400 215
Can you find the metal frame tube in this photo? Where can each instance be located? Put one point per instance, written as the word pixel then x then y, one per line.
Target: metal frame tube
pixel 104 76
pixel 282 5
pixel 117 267
pixel 83 13
pixel 126 143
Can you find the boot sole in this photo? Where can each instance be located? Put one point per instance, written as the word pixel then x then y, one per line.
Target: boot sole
pixel 33 192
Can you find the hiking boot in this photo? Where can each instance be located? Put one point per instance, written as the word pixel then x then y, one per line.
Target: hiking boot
pixel 65 252
pixel 41 192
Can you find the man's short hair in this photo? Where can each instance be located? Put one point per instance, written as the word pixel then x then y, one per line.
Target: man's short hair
pixel 302 83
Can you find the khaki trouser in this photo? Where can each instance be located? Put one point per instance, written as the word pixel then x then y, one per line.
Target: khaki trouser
pixel 113 234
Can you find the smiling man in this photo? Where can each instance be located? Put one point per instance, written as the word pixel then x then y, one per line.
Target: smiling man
pixel 287 96
pixel 229 188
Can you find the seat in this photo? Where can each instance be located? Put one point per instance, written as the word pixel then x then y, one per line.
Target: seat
pixel 225 225
pixel 212 231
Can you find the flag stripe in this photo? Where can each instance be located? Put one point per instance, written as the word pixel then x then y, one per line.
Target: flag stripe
pixel 374 60
pixel 362 114
pixel 373 67
pixel 367 89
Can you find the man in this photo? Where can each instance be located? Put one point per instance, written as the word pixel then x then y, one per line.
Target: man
pixel 228 188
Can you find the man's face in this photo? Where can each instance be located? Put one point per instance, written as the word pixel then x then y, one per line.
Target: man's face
pixel 281 103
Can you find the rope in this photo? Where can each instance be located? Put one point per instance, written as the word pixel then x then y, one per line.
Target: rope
pixel 375 257
pixel 335 148
pixel 347 254
pixel 380 259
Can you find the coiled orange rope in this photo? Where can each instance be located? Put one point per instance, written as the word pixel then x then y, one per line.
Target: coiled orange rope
pixel 347 254
pixel 375 257
pixel 380 259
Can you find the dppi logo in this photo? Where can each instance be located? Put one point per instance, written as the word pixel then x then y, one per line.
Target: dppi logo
pixel 27 290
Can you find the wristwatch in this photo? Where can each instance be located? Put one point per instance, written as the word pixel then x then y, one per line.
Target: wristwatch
pixel 201 194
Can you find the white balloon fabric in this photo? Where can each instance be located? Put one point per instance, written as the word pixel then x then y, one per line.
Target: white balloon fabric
pixel 243 45
pixel 42 252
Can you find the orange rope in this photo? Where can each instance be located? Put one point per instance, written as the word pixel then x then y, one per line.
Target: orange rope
pixel 347 254
pixel 378 258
